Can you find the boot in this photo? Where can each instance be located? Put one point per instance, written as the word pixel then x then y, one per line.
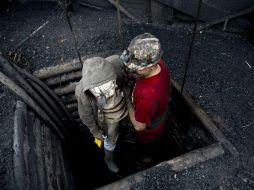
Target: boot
pixel 109 160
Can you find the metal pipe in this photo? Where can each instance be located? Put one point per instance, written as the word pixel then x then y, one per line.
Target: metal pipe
pixel 52 95
pixel 29 101
pixel 12 72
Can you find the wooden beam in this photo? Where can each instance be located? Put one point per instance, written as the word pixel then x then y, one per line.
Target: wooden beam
pixel 68 99
pixel 19 167
pixel 48 72
pixel 70 88
pixel 176 164
pixel 194 157
pixel 67 77
pixel 70 66
pixel 124 11
pixel 37 131
pixel 228 17
pixel 205 120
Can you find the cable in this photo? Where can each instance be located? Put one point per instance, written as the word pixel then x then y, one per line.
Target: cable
pixel 119 24
pixel 191 45
pixel 72 33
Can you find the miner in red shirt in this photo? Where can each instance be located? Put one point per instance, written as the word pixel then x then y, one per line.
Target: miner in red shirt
pixel 148 102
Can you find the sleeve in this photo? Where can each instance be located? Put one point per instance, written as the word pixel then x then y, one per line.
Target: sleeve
pixel 145 111
pixel 87 116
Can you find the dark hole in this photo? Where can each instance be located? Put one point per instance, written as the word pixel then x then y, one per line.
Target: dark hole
pixel 184 133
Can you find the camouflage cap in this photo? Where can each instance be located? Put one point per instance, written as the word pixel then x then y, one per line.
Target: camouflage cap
pixel 144 51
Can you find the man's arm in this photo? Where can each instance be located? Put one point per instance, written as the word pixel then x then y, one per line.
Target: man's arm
pixel 138 126
pixel 87 117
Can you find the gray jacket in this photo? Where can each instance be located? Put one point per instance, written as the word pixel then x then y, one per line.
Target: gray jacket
pixel 96 71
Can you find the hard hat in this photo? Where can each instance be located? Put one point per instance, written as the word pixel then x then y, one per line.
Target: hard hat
pixel 144 51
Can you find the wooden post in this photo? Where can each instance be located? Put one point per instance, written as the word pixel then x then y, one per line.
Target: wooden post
pixel 42 176
pixel 48 155
pixel 20 172
pixel 124 11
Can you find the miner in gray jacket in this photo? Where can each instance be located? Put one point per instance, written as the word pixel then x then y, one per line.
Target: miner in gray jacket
pixel 101 105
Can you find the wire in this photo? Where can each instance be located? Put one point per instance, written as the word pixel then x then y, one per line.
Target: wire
pixel 191 45
pixel 119 24
pixel 71 29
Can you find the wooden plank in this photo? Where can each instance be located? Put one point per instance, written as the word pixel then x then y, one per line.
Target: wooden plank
pixel 32 157
pixel 68 89
pixel 72 107
pixel 124 11
pixel 48 156
pixel 57 177
pixel 67 182
pixel 19 167
pixel 67 77
pixel 180 163
pixel 68 99
pixel 42 176
pixel 194 157
pixel 206 120
pixel 75 114
pixel 70 66
pixel 47 72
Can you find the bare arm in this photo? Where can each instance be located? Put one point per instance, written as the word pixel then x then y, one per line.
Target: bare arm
pixel 138 126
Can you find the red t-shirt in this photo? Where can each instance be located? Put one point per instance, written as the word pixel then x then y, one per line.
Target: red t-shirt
pixel 150 99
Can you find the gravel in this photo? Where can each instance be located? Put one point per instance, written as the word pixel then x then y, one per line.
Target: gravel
pixel 218 78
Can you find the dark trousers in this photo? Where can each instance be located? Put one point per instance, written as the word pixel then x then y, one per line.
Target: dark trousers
pixel 155 151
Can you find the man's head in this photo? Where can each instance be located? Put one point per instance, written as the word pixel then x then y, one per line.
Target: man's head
pixel 142 54
pixel 107 89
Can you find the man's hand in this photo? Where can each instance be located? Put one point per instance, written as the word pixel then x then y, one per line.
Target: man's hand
pixel 99 137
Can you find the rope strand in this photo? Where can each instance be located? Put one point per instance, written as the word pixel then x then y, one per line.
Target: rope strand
pixel 191 45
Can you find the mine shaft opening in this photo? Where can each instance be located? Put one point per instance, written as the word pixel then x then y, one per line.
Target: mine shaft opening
pixel 184 133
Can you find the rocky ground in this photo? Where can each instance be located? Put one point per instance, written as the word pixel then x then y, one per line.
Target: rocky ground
pixel 220 78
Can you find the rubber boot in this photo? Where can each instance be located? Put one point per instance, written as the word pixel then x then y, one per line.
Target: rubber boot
pixel 109 160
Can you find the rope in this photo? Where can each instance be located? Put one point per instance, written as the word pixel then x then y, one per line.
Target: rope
pixel 72 33
pixel 119 24
pixel 191 45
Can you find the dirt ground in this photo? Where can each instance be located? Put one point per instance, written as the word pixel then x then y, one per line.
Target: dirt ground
pixel 220 79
